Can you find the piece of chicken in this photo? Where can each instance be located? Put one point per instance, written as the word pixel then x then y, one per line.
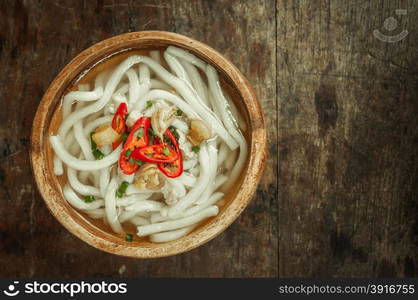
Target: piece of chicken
pixel 162 118
pixel 149 177
pixel 199 131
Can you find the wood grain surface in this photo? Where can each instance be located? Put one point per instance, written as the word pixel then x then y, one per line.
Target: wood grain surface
pixel 339 193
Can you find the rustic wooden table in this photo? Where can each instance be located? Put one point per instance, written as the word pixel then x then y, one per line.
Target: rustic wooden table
pixel 339 194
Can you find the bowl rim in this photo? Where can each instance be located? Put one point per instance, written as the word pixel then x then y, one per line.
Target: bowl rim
pixel 257 146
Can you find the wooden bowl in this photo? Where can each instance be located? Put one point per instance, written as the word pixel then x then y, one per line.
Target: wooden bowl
pixel 81 226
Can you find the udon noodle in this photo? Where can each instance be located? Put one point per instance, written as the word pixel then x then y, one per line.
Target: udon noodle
pixel 155 142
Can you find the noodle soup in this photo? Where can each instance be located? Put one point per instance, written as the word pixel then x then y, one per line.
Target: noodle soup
pixel 149 144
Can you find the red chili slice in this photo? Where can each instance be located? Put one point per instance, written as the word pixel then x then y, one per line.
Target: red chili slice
pixel 138 137
pixel 172 169
pixel 118 122
pixel 155 153
pixel 126 165
pixel 175 168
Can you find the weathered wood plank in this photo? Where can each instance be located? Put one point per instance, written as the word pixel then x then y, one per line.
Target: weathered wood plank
pixel 347 140
pixel 345 110
pixel 37 39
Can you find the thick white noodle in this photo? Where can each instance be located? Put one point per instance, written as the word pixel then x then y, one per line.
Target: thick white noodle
pixel 155 55
pixel 79 187
pixel 201 183
pixel 125 216
pixel 133 87
pixel 83 176
pixel 106 149
pixel 231 160
pixel 187 179
pixel 110 206
pixel 213 199
pixel 213 168
pixel 85 146
pixel 229 123
pixel 79 95
pixel 179 223
pixel 132 199
pixel 197 82
pixel 176 67
pixel 186 56
pixel 138 221
pixel 213 104
pixel 131 190
pixel 58 169
pixel 123 177
pixel 70 139
pixel 214 185
pixel 180 125
pixel 177 186
pixel 189 164
pixel 144 206
pixel 156 217
pixel 71 145
pixel 223 153
pixel 210 201
pixel 83 165
pixel 96 178
pixel 171 235
pixel 236 114
pixel 119 95
pixel 192 98
pixel 66 109
pixel 104 180
pixel 90 127
pixel 96 213
pixel 134 112
pixel 144 74
pixel 81 139
pixel 75 201
pixel 176 100
pixel 157 84
pixel 113 81
pixel 220 108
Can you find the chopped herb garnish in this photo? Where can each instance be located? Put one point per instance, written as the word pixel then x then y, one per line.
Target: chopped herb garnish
pixel 89 199
pixel 98 154
pixel 128 153
pixel 129 237
pixel 124 137
pixel 93 144
pixel 149 103
pixel 122 189
pixel 152 132
pixel 179 112
pixel 166 151
pixel 195 149
pixel 174 132
pixel 140 133
pixel 138 162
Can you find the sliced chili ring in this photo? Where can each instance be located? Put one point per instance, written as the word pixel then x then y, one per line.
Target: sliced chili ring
pixel 175 168
pixel 155 153
pixel 134 140
pixel 118 122
pixel 125 164
pixel 172 169
pixel 138 137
